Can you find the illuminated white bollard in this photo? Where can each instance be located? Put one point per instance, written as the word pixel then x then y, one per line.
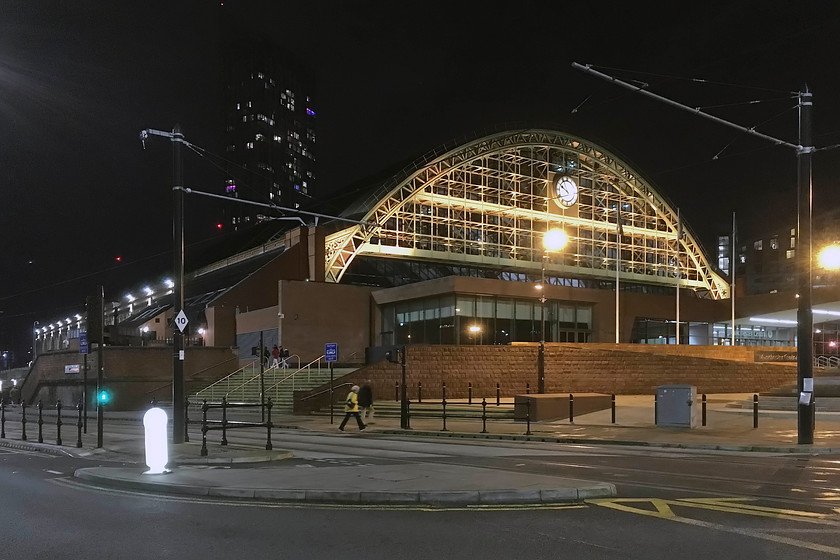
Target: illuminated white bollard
pixel 157 454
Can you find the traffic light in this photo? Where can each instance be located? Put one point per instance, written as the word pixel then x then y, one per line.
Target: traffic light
pixel 103 397
pixel 393 356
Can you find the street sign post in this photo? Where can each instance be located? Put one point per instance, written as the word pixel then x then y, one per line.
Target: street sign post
pixel 331 351
pixel 83 342
pixel 331 355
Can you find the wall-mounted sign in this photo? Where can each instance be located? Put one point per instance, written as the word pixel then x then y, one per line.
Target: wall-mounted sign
pixel 72 368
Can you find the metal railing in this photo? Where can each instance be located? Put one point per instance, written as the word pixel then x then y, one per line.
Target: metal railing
pixel 224 385
pixel 238 385
pixel 827 361
pixel 274 388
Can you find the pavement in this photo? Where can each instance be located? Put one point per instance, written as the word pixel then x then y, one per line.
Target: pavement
pixel 244 469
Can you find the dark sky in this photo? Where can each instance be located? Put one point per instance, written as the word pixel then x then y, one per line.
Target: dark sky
pixel 79 80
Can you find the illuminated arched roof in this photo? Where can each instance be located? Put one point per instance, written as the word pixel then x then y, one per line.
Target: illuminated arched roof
pixel 489 203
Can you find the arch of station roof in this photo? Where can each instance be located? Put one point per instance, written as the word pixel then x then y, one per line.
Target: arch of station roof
pixel 489 203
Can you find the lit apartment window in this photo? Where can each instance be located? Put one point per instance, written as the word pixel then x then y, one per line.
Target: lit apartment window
pixel 250 145
pixel 774 242
pixel 757 245
pixel 790 253
pixel 792 242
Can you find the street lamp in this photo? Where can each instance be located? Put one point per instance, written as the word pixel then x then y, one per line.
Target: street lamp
pixel 829 257
pixel 553 240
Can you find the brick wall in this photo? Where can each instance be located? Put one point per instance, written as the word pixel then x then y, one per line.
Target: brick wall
pixel 133 374
pixel 571 368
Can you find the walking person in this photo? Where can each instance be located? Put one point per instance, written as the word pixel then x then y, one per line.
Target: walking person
pixel 275 355
pixel 366 402
pixel 351 408
pixel 266 357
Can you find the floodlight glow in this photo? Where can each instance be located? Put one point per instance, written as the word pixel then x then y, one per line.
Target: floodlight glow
pixel 148 291
pixel 145 329
pixel 555 239
pixel 829 257
pixel 157 454
pixel 130 297
pixel 475 328
pixel 201 332
pixel 78 317
pixel 169 283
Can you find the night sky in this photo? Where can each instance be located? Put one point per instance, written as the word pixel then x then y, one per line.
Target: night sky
pixel 79 80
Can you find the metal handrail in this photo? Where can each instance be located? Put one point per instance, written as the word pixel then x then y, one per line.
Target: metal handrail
pixel 319 393
pixel 226 378
pixel 307 367
pixel 194 374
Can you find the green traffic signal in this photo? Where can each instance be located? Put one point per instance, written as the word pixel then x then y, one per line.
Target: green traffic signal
pixel 104 396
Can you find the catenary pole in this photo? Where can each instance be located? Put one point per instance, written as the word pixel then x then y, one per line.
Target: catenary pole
pixel 804 315
pixel 732 254
pixel 679 271
pixel 804 150
pixel 178 289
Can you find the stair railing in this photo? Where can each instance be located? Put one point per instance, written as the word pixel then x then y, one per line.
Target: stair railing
pixel 225 383
pixel 308 368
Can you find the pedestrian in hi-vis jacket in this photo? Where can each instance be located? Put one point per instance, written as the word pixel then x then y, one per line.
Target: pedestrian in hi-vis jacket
pixel 351 408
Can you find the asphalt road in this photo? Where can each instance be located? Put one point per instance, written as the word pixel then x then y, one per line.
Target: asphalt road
pixel 670 504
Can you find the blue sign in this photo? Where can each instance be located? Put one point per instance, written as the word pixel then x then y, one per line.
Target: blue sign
pixel 331 351
pixel 83 343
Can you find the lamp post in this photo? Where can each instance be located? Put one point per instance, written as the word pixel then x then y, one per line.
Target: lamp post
pixel 553 240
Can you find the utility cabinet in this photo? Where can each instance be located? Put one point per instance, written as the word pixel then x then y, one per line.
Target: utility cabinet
pixel 677 406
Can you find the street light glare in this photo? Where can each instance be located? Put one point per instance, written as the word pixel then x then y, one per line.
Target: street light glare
pixel 555 239
pixel 829 257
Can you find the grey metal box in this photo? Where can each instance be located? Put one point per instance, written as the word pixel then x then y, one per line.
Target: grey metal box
pixel 677 406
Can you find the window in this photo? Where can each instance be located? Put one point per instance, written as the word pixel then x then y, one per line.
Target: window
pixel 757 245
pixel 774 243
pixel 790 253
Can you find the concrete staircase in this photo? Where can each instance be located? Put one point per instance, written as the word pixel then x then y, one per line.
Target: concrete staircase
pixel 280 384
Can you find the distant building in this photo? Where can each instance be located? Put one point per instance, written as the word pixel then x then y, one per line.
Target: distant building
pixel 269 127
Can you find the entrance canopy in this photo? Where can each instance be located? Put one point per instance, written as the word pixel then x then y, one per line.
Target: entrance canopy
pixel 490 202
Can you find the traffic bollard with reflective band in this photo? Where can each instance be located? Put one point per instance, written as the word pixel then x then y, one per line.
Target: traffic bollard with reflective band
pixel 157 454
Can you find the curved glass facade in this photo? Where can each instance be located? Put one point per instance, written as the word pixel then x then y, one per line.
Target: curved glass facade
pixel 489 203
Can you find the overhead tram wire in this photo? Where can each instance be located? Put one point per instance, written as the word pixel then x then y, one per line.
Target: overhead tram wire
pixel 671 77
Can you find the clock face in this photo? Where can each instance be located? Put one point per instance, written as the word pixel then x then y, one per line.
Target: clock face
pixel 567 191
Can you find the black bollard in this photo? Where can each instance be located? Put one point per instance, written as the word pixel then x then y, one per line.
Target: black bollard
pixel 571 408
pixel 268 425
pixel 40 422
pixel 407 414
pixel 612 405
pixel 656 408
pixel 396 391
pixel 483 415
pixel 528 416
pixel 443 390
pixel 755 411
pixel 527 388
pixel 204 429
pixel 224 421
pixel 443 403
pixel 469 393
pixel 419 391
pixel 703 410
pixel 498 395
pixel 23 421
pixel 2 418
pixel 79 439
pixel 58 423
pixel 187 420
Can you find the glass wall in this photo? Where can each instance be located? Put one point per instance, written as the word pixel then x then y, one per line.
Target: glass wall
pixel 477 319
